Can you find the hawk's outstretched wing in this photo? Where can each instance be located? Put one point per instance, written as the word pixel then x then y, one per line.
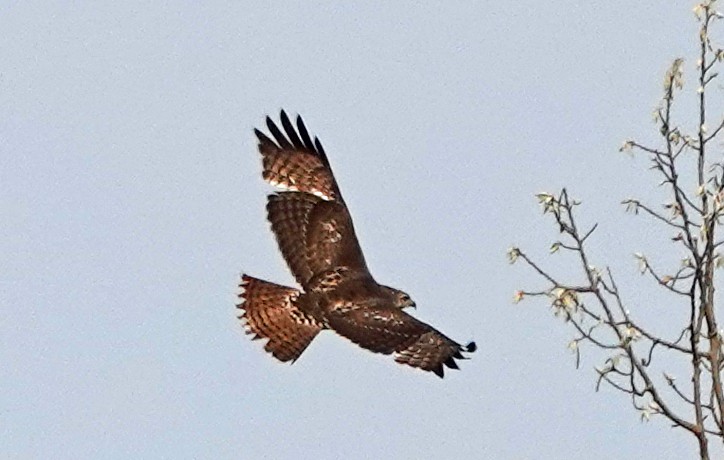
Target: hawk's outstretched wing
pixel 310 220
pixel 294 162
pixel 389 330
pixel 314 235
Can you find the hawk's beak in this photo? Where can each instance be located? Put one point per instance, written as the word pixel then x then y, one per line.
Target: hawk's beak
pixel 413 305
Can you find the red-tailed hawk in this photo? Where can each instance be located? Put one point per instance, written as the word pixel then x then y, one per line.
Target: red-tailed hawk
pixel 317 239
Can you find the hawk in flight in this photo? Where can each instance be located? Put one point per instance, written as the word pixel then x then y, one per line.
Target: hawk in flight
pixel 313 227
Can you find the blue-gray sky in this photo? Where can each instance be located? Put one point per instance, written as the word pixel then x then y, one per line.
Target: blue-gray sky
pixel 131 201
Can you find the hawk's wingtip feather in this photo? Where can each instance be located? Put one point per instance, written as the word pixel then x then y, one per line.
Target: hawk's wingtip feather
pixel 450 362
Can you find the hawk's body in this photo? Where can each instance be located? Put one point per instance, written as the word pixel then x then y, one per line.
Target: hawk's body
pixel 316 236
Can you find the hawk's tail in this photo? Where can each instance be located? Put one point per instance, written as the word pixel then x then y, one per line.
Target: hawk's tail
pixel 269 311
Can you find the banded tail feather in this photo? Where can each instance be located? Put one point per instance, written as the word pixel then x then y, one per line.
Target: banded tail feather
pixel 270 311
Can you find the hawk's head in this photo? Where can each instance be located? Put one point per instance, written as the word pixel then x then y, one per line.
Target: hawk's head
pixel 399 298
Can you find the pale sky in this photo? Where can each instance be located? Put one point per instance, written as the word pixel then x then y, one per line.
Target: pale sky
pixel 132 200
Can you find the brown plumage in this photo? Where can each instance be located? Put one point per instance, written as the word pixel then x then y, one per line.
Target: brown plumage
pixel 316 236
pixel 271 312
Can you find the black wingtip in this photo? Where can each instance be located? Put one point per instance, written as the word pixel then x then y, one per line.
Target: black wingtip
pixel 304 135
pixel 281 139
pixel 450 362
pixel 291 132
pixel 263 138
pixel 471 347
pixel 318 145
pixel 439 371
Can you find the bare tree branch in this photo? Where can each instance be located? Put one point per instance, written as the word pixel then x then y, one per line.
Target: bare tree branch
pixel 595 308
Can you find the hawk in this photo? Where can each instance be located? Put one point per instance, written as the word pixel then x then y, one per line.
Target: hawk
pixel 314 230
